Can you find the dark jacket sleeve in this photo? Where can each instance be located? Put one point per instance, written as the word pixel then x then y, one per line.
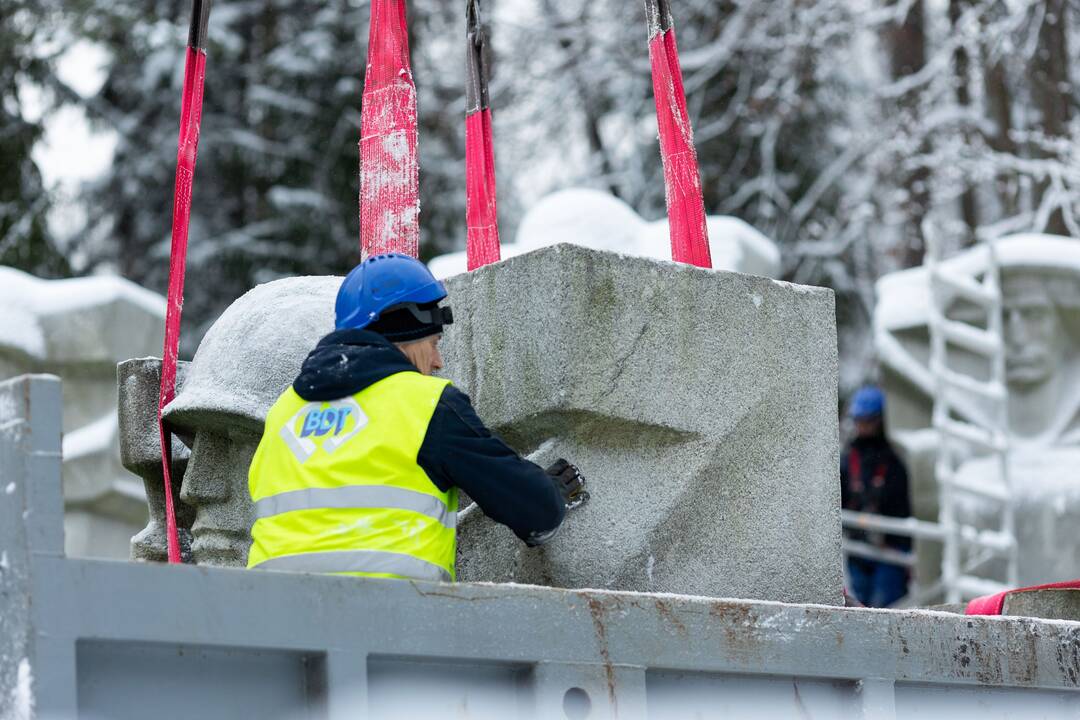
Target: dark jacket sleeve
pixel 459 451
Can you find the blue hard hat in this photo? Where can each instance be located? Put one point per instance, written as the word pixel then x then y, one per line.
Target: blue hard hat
pixel 869 402
pixel 382 282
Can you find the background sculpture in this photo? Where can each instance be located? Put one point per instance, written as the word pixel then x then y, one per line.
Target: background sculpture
pixel 1041 306
pixel 79 329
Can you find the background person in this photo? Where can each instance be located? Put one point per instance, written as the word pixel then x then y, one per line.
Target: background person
pixel 874 480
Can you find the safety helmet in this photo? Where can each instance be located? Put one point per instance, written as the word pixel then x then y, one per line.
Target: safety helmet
pixel 382 282
pixel 868 403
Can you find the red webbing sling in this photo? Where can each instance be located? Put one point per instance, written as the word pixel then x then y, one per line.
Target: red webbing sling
pixel 389 175
pixel 187 149
pixel 682 181
pixel 994 604
pixel 481 216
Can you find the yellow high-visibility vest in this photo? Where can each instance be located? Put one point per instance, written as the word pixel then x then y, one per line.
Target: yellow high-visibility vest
pixel 337 487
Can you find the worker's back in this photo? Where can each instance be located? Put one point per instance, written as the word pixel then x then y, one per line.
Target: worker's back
pixel 337 487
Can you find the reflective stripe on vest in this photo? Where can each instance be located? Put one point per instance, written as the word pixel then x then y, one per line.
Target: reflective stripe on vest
pixel 365 561
pixel 337 487
pixel 357 496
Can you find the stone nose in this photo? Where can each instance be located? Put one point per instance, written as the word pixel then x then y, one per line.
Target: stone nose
pixel 210 471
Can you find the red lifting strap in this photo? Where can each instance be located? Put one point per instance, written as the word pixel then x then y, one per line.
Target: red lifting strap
pixel 682 181
pixel 389 174
pixel 994 604
pixel 188 145
pixel 481 216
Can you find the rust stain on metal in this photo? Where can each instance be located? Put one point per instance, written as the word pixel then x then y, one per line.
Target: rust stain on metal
pixel 668 613
pixel 597 610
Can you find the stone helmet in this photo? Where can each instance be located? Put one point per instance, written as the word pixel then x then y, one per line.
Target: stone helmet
pixel 247 358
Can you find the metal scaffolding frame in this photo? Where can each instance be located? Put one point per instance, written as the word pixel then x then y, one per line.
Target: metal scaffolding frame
pixel 967 550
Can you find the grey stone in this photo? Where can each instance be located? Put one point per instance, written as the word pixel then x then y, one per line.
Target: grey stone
pixel 246 360
pixel 1051 604
pixel 79 329
pixel 700 406
pixel 139 382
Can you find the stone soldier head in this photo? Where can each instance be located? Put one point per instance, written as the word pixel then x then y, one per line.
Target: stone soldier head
pixel 247 358
pixel 1035 337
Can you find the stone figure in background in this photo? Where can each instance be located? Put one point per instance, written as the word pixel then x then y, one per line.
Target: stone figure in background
pixel 79 329
pixel 1040 277
pixel 670 411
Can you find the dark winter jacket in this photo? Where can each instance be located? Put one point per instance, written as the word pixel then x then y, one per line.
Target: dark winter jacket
pixel 873 480
pixel 458 451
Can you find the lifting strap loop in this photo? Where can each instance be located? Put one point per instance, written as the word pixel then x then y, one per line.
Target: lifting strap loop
pixel 682 180
pixel 187 150
pixel 481 215
pixel 389 174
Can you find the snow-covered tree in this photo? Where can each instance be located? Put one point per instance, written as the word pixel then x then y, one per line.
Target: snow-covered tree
pixel 25 240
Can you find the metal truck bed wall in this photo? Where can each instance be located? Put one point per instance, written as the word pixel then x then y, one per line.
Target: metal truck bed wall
pixel 101 639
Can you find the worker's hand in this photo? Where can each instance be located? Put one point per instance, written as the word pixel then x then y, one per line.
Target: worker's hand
pixel 570 483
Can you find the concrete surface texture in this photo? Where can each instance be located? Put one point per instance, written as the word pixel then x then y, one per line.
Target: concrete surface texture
pixel 139 382
pixel 1041 294
pixel 112 639
pixel 1061 604
pixel 245 361
pixel 700 406
pixel 79 329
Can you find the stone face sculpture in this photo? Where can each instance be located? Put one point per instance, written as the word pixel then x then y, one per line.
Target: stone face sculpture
pixel 1041 307
pixel 697 403
pixel 79 329
pixel 245 361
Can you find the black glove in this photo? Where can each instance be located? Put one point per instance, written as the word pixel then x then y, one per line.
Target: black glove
pixel 568 481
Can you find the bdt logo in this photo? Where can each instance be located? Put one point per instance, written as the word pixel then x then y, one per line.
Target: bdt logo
pixel 320 422
pixel 338 422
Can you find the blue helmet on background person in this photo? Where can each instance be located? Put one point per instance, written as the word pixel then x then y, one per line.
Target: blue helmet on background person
pixel 867 404
pixel 394 295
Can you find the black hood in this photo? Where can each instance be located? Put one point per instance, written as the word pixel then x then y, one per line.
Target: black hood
pixel 347 361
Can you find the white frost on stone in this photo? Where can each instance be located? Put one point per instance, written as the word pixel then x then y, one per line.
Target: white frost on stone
pixel 22 695
pixel 598 220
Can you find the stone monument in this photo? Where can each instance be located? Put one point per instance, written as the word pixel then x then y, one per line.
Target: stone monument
pixel 79 329
pixel 1040 278
pixel 698 404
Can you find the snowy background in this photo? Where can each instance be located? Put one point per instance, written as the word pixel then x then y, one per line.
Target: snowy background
pixel 832 127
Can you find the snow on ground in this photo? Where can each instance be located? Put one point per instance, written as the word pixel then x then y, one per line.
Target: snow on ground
pixel 597 220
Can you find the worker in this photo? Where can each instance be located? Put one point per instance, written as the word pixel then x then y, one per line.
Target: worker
pixel 362 459
pixel 873 480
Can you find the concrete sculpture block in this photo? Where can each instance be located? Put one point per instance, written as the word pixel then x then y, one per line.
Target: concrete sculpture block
pixel 79 329
pixel 140 452
pixel 701 406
